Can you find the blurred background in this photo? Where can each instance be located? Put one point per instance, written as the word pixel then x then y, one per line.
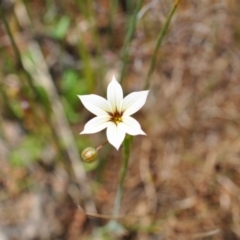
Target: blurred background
pixel 183 179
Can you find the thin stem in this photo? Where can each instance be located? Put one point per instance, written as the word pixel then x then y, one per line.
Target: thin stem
pixel 159 41
pixel 129 35
pixel 113 225
pixel 100 146
pixel 126 154
pixel 88 10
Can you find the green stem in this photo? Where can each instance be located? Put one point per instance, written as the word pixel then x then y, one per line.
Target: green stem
pixel 159 41
pixel 87 9
pixel 128 39
pixel 126 154
pixel 113 225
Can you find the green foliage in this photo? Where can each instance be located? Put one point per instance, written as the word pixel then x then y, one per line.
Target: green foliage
pixel 70 112
pixel 27 152
pixel 15 107
pixel 8 63
pixel 61 27
pixel 71 86
pixel 43 97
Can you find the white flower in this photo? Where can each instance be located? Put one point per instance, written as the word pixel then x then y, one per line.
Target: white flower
pixel 114 113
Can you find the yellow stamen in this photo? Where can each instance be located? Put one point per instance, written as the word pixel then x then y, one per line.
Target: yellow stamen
pixel 116 118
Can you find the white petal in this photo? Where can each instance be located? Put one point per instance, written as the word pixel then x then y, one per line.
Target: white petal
pixel 115 135
pixel 115 95
pixel 133 102
pixel 95 104
pixel 131 126
pixel 96 124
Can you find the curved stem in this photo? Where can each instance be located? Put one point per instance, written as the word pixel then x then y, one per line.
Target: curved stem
pixel 159 41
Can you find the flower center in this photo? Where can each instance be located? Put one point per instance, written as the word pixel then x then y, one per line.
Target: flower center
pixel 116 117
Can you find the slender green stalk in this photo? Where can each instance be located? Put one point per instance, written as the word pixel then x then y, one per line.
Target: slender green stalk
pixel 159 41
pixel 99 55
pixel 113 225
pixel 130 6
pixel 126 155
pixel 88 11
pixel 129 35
pixel 87 70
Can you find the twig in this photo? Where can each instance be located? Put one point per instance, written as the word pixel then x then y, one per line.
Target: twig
pixel 103 216
pixel 228 184
pixel 206 234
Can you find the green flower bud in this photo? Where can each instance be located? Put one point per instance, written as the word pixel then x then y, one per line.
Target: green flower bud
pixel 89 155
